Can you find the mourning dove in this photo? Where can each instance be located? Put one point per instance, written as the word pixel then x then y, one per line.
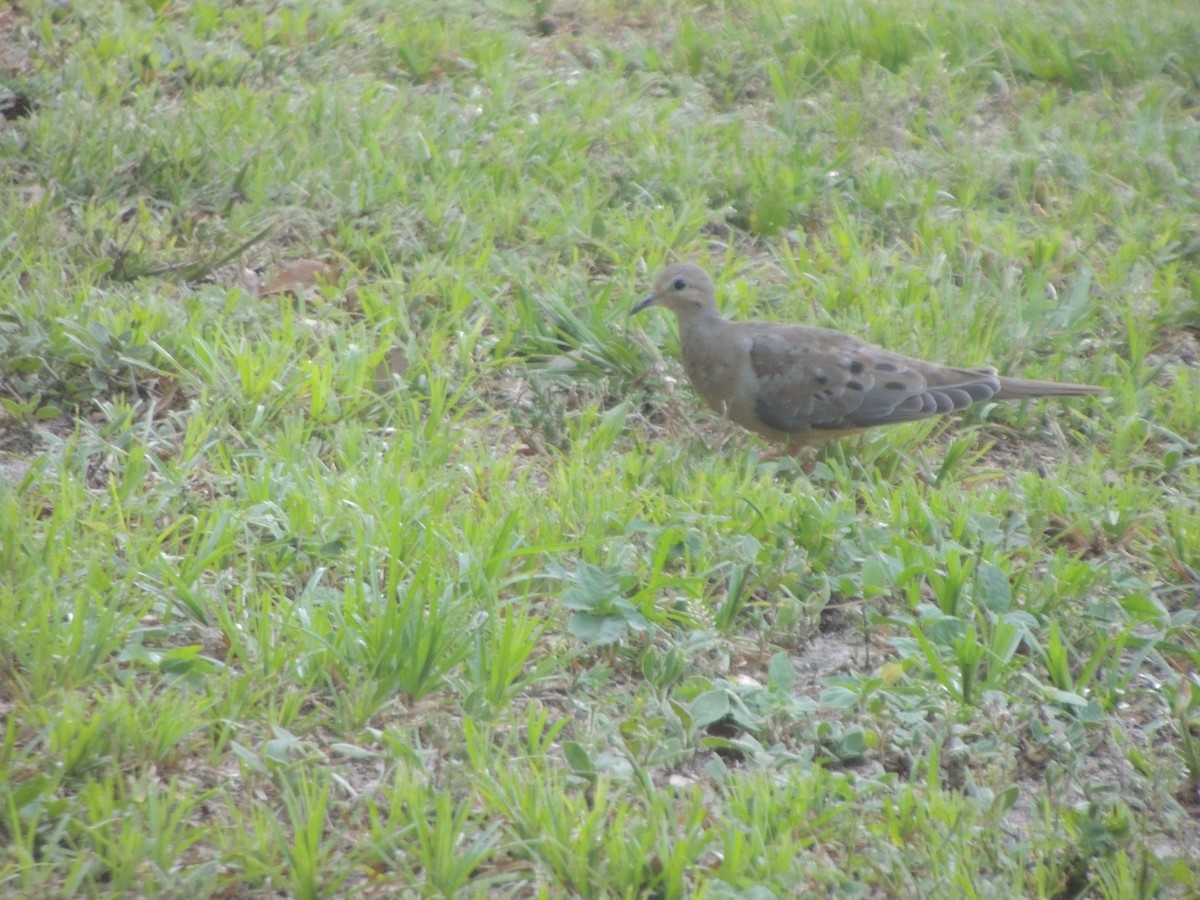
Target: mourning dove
pixel 804 386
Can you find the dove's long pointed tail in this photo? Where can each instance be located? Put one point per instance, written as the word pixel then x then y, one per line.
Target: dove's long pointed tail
pixel 1020 388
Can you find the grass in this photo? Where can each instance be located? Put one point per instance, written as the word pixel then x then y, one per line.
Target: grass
pixel 433 577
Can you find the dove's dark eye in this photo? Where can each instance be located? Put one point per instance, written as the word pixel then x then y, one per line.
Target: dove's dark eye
pixel 679 284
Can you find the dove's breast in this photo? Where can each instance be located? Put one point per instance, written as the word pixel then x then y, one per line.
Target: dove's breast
pixel 722 374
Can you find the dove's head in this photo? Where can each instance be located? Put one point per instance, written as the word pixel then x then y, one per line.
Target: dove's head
pixel 684 288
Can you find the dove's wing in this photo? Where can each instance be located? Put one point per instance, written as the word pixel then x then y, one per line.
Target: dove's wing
pixel 816 379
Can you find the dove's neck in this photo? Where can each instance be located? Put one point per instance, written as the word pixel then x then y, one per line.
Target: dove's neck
pixel 701 326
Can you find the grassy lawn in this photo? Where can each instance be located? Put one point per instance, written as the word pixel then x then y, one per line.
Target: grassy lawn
pixel 356 541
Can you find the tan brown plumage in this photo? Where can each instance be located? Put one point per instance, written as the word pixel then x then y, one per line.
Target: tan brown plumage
pixel 803 385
